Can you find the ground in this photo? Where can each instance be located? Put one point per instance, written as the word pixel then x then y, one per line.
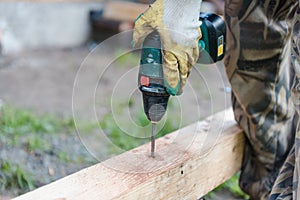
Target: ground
pixel 43 80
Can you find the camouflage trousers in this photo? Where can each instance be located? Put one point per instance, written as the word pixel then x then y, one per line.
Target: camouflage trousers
pixel 262 65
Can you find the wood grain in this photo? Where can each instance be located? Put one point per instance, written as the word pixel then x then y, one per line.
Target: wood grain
pixel 189 163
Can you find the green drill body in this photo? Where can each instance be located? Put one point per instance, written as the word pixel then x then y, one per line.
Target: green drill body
pixel 151 77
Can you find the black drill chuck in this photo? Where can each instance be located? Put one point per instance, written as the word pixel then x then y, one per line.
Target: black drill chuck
pixel 155 105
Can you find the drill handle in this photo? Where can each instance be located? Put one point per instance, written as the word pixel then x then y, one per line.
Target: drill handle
pixel 152 41
pixel 151 76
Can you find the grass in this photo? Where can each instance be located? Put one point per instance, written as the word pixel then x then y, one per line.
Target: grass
pixel 64 156
pixel 16 123
pixel 118 136
pixel 35 143
pixel 126 60
pixel 22 128
pixel 13 176
pixel 127 142
pixel 231 185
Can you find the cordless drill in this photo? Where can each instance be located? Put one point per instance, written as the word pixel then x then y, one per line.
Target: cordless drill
pixel 151 78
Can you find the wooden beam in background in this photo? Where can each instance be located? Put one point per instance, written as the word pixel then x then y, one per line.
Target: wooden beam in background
pixel 189 163
pixel 123 11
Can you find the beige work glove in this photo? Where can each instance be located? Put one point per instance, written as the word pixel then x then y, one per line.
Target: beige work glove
pixel 177 22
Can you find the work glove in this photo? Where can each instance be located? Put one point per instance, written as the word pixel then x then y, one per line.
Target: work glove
pixel 177 22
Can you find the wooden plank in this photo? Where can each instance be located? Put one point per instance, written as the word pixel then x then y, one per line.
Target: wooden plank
pixel 189 163
pixel 123 11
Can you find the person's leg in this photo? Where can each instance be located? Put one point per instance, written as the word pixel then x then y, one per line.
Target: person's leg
pixel 257 68
pixel 287 183
pixel 296 98
pixel 283 186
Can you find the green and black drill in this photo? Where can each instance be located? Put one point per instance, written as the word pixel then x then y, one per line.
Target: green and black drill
pixel 151 78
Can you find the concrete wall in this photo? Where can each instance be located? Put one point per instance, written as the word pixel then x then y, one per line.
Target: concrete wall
pixel 39 25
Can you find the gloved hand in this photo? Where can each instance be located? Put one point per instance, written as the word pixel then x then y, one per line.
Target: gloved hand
pixel 177 22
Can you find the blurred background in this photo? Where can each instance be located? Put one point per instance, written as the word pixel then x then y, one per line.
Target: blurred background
pixel 42 46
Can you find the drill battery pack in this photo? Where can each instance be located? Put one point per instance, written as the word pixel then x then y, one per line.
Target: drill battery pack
pixel 213 41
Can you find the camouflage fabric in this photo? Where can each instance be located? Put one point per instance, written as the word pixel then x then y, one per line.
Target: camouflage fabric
pixel 258 66
pixel 287 183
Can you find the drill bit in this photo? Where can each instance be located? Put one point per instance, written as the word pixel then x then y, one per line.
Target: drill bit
pixel 153 140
